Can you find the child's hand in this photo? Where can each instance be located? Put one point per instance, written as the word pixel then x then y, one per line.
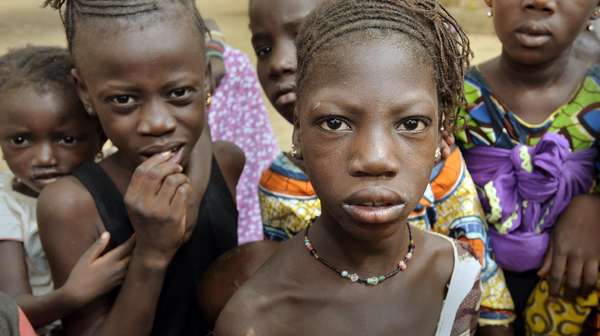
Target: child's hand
pixel 96 274
pixel 156 200
pixel 574 250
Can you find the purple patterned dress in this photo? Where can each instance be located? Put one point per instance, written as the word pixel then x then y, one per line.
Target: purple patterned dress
pixel 238 115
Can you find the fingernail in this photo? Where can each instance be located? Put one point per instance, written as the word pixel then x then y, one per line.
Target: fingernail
pixel 166 154
pixel 105 235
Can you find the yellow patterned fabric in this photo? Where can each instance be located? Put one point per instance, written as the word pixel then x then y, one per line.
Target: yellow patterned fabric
pixel 547 316
pixel 288 203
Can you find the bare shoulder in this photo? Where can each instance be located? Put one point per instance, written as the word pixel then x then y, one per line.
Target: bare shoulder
pixel 231 160
pixel 61 202
pixel 242 314
pixel 438 252
pixel 68 222
pixel 251 309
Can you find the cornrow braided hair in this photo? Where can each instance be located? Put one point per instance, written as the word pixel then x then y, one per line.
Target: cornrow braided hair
pixel 71 10
pixel 426 22
pixel 36 66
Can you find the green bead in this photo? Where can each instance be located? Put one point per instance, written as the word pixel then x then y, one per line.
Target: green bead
pixel 373 281
pixel 381 278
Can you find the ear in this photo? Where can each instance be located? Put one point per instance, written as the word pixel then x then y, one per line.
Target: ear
pixel 82 91
pixel 489 3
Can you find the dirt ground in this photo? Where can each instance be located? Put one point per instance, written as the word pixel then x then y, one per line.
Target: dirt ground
pixel 25 22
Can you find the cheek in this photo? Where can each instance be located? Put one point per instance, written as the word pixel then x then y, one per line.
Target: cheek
pixel 193 118
pixel 71 158
pixel 18 161
pixel 262 70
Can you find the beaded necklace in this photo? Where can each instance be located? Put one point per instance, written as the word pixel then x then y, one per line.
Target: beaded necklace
pixel 371 281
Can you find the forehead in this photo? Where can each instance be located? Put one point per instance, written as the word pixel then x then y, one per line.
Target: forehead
pixel 371 71
pixel 270 14
pixel 142 48
pixel 47 110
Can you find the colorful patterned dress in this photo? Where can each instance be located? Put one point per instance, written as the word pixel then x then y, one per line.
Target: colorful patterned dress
pixel 526 175
pixel 288 202
pixel 450 207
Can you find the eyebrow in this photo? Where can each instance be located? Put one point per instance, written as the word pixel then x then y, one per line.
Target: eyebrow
pixel 291 25
pixel 259 36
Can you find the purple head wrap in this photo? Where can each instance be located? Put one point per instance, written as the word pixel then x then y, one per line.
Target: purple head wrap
pixel 524 190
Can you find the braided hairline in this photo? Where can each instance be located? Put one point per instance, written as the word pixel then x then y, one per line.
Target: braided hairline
pixel 423 21
pixel 71 9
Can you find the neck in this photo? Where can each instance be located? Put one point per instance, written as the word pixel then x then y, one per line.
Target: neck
pixel 537 75
pixel 365 257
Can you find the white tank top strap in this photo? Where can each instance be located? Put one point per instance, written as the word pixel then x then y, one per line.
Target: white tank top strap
pixel 464 274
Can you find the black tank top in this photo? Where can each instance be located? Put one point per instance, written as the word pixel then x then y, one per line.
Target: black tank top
pixel 215 233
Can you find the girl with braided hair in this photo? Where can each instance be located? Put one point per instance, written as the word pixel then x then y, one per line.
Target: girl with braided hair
pixel 530 134
pixel 140 66
pixel 375 82
pixel 288 202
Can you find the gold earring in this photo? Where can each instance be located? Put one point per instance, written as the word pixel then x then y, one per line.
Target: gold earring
pixel 208 99
pixel 438 154
pixel 295 153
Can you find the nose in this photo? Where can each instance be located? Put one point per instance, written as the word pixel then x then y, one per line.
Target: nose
pixel 156 119
pixel 540 5
pixel 374 154
pixel 283 61
pixel 45 156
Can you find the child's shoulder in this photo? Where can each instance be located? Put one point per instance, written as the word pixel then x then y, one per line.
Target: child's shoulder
pixel 66 202
pixel 449 257
pixel 231 161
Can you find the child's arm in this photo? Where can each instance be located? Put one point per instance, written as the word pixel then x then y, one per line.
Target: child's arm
pixel 93 275
pixel 573 256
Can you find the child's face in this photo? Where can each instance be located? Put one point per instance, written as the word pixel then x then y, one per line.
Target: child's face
pixel 535 32
pixel 45 134
pixel 274 25
pixel 147 86
pixel 367 128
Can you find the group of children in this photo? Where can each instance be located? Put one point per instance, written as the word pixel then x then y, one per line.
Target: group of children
pixel 421 196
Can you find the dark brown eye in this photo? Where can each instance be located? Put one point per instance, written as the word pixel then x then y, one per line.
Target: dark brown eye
pixel 122 100
pixel 19 141
pixel 412 125
pixel 181 93
pixel 67 140
pixel 335 124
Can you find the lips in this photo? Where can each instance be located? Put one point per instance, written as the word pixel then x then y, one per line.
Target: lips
pixel 43 178
pixel 174 147
pixel 375 205
pixel 533 35
pixel 285 95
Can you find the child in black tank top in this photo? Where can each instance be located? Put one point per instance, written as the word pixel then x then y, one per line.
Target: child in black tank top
pixel 140 67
